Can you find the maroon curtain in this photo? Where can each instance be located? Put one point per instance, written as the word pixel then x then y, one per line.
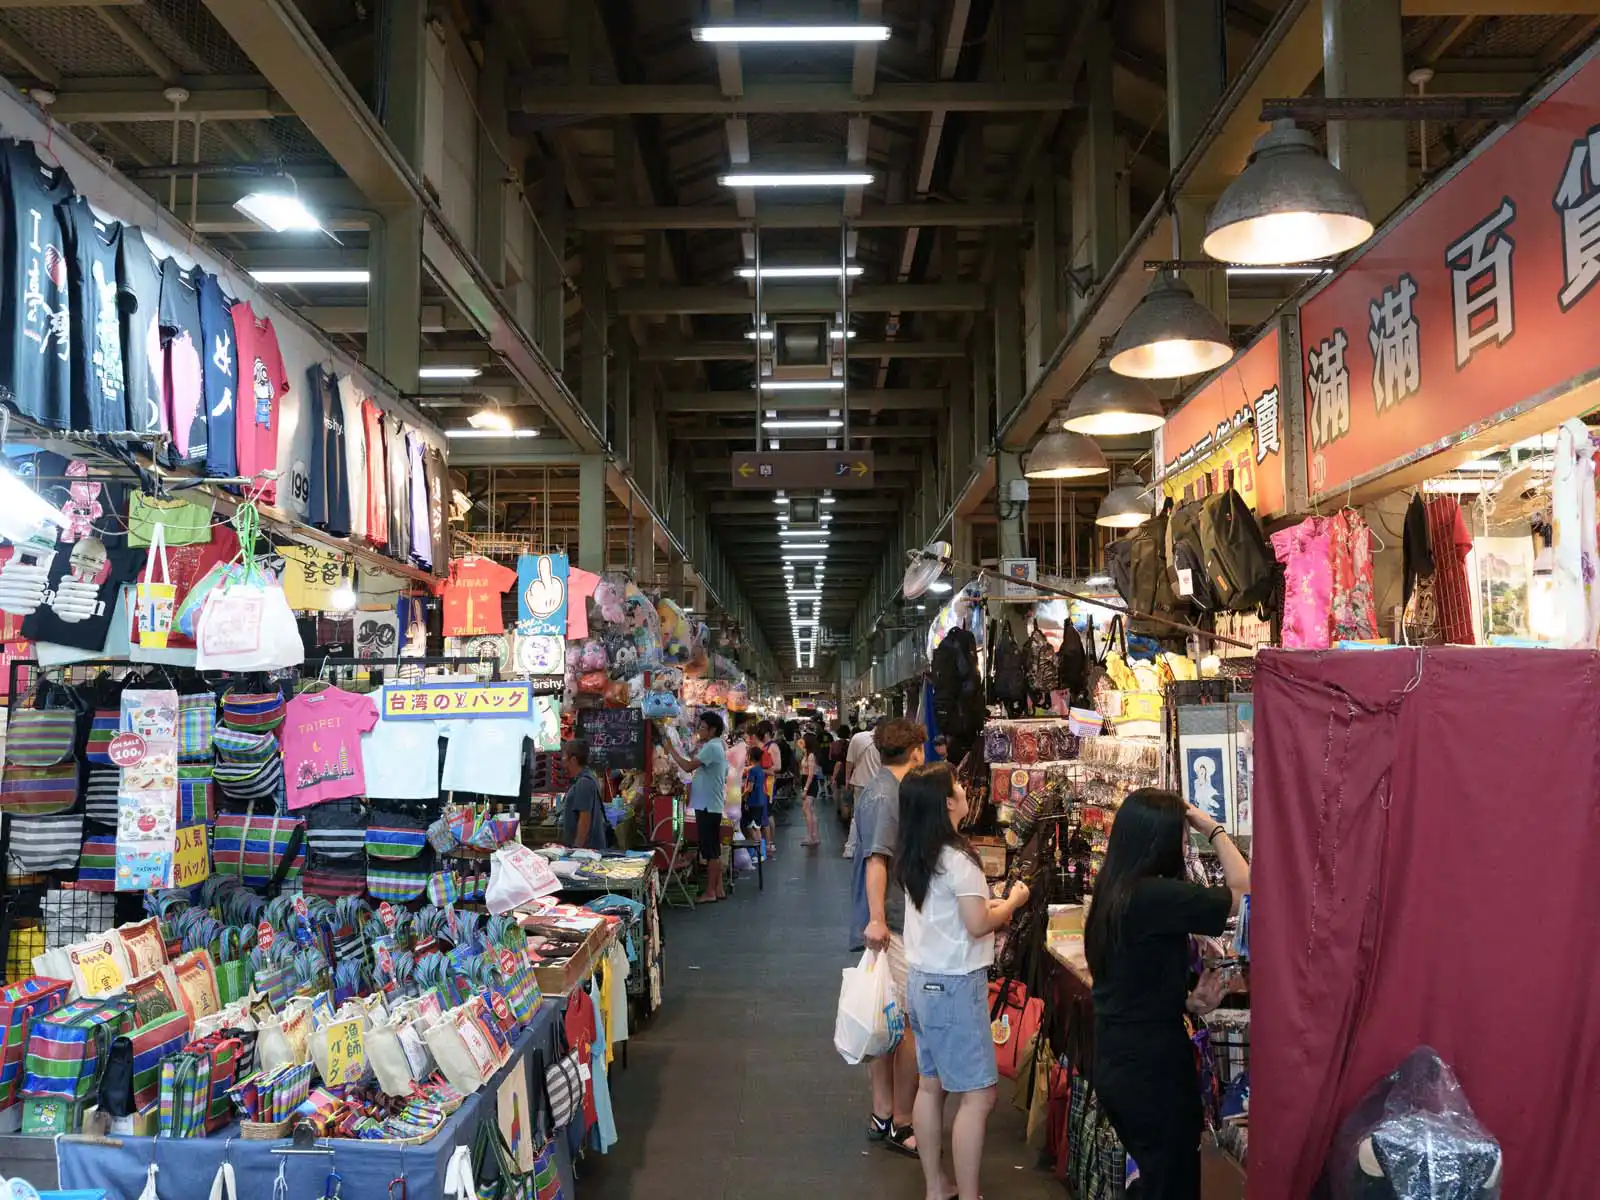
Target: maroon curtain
pixel 1427 870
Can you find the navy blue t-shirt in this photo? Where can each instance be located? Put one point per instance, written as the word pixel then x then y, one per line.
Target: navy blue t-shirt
pixel 329 468
pixel 220 367
pixel 35 348
pixel 99 392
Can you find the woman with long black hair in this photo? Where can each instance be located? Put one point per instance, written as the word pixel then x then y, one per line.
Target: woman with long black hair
pixel 1137 943
pixel 949 943
pixel 811 789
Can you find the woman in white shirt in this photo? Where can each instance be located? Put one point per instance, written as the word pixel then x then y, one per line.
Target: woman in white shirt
pixel 949 944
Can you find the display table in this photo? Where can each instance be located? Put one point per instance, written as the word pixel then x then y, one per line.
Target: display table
pixel 638 878
pixel 186 1167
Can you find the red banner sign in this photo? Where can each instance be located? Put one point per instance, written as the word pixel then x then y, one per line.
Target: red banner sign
pixel 1230 427
pixel 1479 303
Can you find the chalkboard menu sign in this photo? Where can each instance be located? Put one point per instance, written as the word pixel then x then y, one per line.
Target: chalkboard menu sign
pixel 615 736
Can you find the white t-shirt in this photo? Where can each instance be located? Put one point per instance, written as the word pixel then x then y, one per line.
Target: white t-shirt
pixel 486 755
pixel 937 942
pixel 861 759
pixel 401 760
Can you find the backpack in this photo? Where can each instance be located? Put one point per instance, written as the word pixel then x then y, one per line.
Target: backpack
pixel 957 699
pixel 1239 563
pixel 1072 661
pixel 1008 681
pixel 1042 675
pixel 1139 569
pixel 1184 553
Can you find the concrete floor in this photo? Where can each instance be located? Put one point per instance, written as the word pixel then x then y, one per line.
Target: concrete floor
pixel 734 1090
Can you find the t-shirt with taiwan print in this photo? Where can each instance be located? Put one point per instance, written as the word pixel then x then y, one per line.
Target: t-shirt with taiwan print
pixel 263 384
pixel 472 596
pixel 322 746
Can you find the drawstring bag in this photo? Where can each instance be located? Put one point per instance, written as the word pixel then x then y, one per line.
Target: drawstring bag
pixel 246 624
pixel 155 599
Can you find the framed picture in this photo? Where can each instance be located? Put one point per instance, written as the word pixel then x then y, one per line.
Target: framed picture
pixel 1208 774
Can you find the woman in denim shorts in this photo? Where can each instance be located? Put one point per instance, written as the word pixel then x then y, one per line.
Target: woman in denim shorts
pixel 949 944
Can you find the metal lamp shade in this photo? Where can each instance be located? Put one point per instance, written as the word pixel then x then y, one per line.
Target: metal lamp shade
pixel 1126 506
pixel 1109 405
pixel 1289 205
pixel 1170 334
pixel 1062 454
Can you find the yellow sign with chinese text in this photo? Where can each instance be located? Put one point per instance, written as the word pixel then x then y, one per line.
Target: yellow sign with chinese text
pixel 191 856
pixel 1237 455
pixel 347 1053
pixel 446 701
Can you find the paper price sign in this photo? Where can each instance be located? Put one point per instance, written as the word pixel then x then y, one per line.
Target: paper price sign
pixel 347 1054
pixel 126 749
pixel 443 701
pixel 191 859
pixel 386 914
pixel 265 936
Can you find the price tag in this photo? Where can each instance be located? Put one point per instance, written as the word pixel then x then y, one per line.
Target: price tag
pixel 265 936
pixel 386 914
pixel 508 962
pixel 126 750
pixel 1185 581
pixel 301 908
pixel 347 1054
pixel 502 1010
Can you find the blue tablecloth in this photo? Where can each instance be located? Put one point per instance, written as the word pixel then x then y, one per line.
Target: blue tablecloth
pixel 185 1167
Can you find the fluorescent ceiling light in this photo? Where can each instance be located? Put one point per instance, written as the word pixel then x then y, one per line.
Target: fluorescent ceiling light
pixel 803 533
pixel 795 423
pixel 766 335
pixel 1456 486
pixel 804 557
pixel 803 595
pixel 449 372
pixel 281 212
pixel 759 34
pixel 307 275
pixel 1280 270
pixel 800 272
pixel 778 179
pixel 826 500
pixel 780 499
pixel 802 385
pixel 490 417
pixel 839 335
pixel 491 433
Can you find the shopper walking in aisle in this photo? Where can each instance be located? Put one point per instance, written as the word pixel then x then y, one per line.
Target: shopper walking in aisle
pixel 583 810
pixel 1137 941
pixel 878 914
pixel 708 793
pixel 811 785
pixel 756 812
pixel 860 764
pixel 949 946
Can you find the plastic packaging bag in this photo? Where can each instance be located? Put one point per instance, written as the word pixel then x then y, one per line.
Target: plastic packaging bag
pixel 869 1022
pixel 1414 1137
pixel 518 877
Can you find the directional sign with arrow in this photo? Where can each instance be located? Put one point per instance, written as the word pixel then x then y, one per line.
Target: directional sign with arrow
pixel 775 469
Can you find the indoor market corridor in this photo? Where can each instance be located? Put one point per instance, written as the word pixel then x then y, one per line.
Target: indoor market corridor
pixel 734 1090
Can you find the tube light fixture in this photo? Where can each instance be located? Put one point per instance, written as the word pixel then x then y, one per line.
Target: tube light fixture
pixel 778 424
pixel 490 416
pixel 310 276
pixel 1232 271
pixel 827 499
pixel 780 499
pixel 803 533
pixel 281 212
pixel 449 372
pixel 822 272
pixel 766 335
pixel 802 385
pixel 820 546
pixel 804 557
pixel 789 179
pixel 769 34
pixel 491 433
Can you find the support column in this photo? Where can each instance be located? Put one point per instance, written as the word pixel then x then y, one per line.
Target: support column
pixel 394 246
pixel 1099 201
pixel 644 547
pixel 675 578
pixel 621 389
pixel 493 140
pixel 1046 269
pixel 1008 380
pixel 982 386
pixel 1362 55
pixel 961 539
pixel 592 513
pixel 1196 70
pixel 1010 514
pixel 595 340
pixel 549 256
pixel 643 452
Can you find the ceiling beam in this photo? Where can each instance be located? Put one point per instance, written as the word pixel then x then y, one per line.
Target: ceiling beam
pixel 847 506
pixel 123 107
pixel 4 4
pixel 708 99
pixel 18 49
pixel 135 39
pixel 353 318
pixel 1495 8
pixel 734 300
pixel 800 216
pixel 866 433
pixel 861 400
pixel 740 351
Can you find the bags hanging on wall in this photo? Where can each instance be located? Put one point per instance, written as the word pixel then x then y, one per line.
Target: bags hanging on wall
pixel 49 843
pixel 247 627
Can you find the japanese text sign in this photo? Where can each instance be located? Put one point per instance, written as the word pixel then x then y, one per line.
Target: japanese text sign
pixel 444 701
pixel 1229 424
pixel 1478 303
pixel 542 594
pixel 191 857
pixel 347 1054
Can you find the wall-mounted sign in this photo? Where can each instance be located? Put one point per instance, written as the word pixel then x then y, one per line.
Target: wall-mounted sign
pixel 1018 573
pixel 1228 429
pixel 542 594
pixel 775 469
pixel 1476 305
pixel 441 701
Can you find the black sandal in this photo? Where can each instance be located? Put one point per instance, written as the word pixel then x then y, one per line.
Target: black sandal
pixel 899 1135
pixel 878 1127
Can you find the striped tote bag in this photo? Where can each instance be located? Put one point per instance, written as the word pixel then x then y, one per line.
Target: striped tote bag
pixel 67 1049
pixel 253 712
pixel 97 865
pixel 252 848
pixel 40 737
pixel 104 726
pixel 146 1047
pixel 39 791
pixel 100 795
pixel 197 802
pixel 40 844
pixel 197 723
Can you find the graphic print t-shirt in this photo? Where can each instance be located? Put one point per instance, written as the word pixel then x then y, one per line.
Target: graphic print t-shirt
pixel 36 348
pixel 264 385
pixel 323 417
pixel 183 393
pixel 355 453
pixel 472 596
pixel 220 373
pixel 99 388
pixel 142 357
pixel 322 746
pixel 91 550
pixel 394 435
pixel 310 575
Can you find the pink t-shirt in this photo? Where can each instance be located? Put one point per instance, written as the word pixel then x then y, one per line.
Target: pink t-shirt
pixel 322 746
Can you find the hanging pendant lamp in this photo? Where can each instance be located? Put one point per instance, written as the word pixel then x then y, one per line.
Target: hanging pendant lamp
pixel 1061 454
pixel 1126 506
pixel 1289 205
pixel 1109 405
pixel 1169 335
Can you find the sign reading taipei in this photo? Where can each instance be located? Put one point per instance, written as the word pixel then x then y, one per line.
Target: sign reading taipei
pixel 1476 305
pixel 775 469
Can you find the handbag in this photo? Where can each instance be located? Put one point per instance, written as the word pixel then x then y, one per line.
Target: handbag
pixel 48 843
pixel 1014 1018
pixel 563 1084
pixel 197 723
pixel 395 885
pixel 132 1078
pixel 103 726
pixel 263 852
pixel 97 864
pixel 395 842
pixel 197 801
pixel 39 791
pixel 284 1039
pixel 247 626
pixel 443 888
pixel 40 737
pixel 184 1095
pixel 67 1049
pixel 21 1004
pixel 336 830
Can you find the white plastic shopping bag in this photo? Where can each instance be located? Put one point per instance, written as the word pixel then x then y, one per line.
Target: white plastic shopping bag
pixel 869 1022
pixel 518 877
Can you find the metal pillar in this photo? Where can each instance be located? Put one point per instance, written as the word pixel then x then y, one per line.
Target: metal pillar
pixel 596 336
pixel 1011 515
pixel 1046 269
pixel 1099 196
pixel 620 389
pixel 1196 70
pixel 1008 380
pixel 644 548
pixel 592 513
pixel 961 539
pixel 394 246
pixel 550 264
pixel 675 567
pixel 644 450
pixel 493 139
pixel 1362 55
pixel 983 418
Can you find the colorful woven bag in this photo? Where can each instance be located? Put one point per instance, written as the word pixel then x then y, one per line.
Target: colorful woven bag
pixel 197 802
pixel 255 848
pixel 184 1095
pixel 39 791
pixel 97 865
pixel 105 725
pixel 21 1004
pixel 395 885
pixel 67 1049
pixel 40 737
pixel 149 1045
pixel 197 723
pixel 395 842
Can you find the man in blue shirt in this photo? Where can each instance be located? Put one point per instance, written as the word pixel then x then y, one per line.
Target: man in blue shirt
pixel 708 793
pixel 583 812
